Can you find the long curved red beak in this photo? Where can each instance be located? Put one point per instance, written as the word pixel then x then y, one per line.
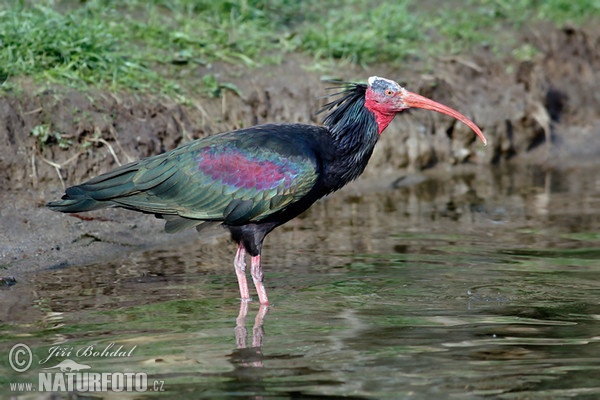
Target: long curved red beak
pixel 417 101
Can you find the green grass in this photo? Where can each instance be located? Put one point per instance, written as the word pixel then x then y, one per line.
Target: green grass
pixel 158 45
pixel 361 34
pixel 494 23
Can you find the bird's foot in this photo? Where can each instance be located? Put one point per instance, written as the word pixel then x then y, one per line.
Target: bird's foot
pixel 258 276
pixel 240 272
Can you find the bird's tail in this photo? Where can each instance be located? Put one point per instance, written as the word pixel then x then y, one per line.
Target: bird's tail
pixel 98 192
pixel 76 202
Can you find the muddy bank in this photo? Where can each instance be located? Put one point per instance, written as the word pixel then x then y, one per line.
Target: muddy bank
pixel 550 101
pixel 542 111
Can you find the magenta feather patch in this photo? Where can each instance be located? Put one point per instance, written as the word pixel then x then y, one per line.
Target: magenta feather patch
pixel 232 167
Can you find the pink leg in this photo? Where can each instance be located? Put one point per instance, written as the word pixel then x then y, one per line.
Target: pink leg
pixel 257 277
pixel 240 271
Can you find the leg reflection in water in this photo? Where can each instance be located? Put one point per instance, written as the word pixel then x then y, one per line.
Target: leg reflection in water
pixel 244 355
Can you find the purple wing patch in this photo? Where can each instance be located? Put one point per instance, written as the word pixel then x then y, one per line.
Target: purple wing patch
pixel 233 167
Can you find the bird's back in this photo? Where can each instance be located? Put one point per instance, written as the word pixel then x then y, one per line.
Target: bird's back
pixel 235 177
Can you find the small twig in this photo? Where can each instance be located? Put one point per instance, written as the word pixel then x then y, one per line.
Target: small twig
pixel 37 110
pixel 34 171
pixel 57 167
pixel 73 158
pixel 187 137
pixel 462 61
pixel 115 136
pixel 110 148
pixel 116 98
pixel 205 115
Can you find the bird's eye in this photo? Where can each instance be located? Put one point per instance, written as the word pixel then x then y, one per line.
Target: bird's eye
pixel 389 92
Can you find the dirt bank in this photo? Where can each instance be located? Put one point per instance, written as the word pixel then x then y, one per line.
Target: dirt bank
pixel 544 110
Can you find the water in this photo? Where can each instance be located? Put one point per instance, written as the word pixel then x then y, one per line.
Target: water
pixel 481 285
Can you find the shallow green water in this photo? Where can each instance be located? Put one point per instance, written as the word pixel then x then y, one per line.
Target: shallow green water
pixel 477 286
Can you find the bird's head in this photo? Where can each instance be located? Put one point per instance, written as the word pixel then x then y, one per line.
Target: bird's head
pixel 385 98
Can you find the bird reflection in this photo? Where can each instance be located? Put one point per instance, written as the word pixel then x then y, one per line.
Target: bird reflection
pixel 244 355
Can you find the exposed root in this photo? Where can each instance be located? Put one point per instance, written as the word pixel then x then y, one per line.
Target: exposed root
pixel 110 148
pixel 55 165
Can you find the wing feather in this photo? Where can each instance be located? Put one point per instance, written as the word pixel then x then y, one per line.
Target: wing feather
pixel 231 178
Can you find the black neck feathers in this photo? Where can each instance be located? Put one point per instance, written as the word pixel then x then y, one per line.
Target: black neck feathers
pixel 354 131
